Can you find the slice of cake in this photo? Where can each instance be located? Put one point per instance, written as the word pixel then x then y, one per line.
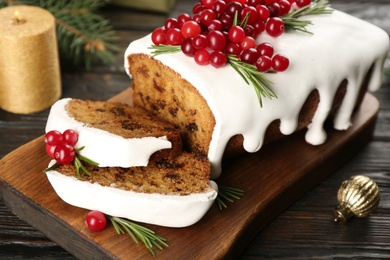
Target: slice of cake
pixel 168 193
pixel 331 66
pixel 115 134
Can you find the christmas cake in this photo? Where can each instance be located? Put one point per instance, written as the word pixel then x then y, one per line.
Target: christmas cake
pixel 320 69
pixel 115 134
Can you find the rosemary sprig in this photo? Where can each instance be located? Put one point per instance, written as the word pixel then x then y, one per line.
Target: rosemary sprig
pixel 78 163
pixel 227 194
pixel 147 236
pixel 164 49
pixel 291 21
pixel 251 75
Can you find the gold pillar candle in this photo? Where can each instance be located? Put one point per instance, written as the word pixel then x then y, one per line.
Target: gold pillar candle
pixel 29 66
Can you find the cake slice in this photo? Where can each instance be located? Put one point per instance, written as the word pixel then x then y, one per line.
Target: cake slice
pixel 168 193
pixel 115 134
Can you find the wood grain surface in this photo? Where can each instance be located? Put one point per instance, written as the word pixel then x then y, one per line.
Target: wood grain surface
pixel 303 231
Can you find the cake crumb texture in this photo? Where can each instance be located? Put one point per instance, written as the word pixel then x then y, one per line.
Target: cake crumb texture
pixel 188 173
pixel 165 93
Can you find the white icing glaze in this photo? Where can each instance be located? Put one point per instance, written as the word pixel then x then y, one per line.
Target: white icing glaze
pixel 103 147
pixel 341 47
pixel 164 210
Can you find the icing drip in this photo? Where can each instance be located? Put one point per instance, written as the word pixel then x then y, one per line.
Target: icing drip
pixel 341 47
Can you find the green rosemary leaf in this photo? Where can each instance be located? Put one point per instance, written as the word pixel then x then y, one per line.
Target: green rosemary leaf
pixel 221 204
pixel 52 167
pixel 317 7
pixel 132 235
pixel 228 194
pixel 117 228
pixel 245 20
pixel 164 49
pixel 77 164
pixel 145 235
pixel 251 75
pixel 297 25
pixel 87 160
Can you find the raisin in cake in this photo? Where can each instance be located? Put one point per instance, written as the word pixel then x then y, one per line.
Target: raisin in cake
pixel 217 111
pixel 114 134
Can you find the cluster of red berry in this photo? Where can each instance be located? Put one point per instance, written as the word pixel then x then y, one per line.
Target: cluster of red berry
pixel 212 32
pixel 60 146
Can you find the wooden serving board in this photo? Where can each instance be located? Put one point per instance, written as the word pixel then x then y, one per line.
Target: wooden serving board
pixel 272 179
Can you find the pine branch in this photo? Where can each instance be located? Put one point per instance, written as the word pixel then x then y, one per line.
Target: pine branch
pixel 83 36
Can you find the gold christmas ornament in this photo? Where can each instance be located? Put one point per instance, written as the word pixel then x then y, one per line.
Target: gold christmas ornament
pixel 358 196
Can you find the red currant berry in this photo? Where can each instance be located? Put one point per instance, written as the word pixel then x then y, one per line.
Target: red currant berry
pixel 50 150
pixel 254 2
pixel 197 8
pixel 226 20
pixel 64 153
pixel 266 49
pixel 174 36
pixel 206 16
pixel 263 12
pixel 215 25
pixel 236 34
pixel 274 26
pixel 216 40
pixel 187 47
pixel 250 31
pixel 182 18
pixel 248 42
pixel 53 137
pixel 280 63
pixel 171 23
pixel 285 7
pixel 219 7
pixel 96 221
pixel 274 9
pixel 268 2
pixel 249 55
pixel 233 48
pixel 243 2
pixel 158 36
pixel 234 7
pixel 259 27
pixel 218 59
pixel 208 3
pixel 199 41
pixel 302 3
pixel 70 137
pixel 251 12
pixel 202 57
pixel 263 63
pixel 197 18
pixel 190 28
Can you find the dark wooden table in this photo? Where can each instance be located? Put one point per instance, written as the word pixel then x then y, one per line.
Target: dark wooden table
pixel 305 230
